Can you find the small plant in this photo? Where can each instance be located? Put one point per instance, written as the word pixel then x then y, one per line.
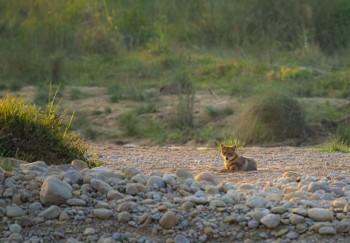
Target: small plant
pixel 96 112
pixel 336 145
pixel 108 110
pixel 129 122
pixel 218 112
pixel 30 133
pixel 231 141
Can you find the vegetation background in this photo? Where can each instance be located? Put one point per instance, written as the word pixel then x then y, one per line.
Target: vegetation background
pixel 233 48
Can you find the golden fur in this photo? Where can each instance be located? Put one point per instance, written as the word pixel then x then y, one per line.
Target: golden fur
pixel 233 162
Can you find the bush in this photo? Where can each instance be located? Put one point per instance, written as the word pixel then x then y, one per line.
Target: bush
pixel 270 118
pixel 30 133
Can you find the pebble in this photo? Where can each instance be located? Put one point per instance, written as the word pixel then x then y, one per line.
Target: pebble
pixel 14 211
pixel 80 164
pixel 256 202
pixel 156 181
pixel 101 186
pixel 179 238
pixel 50 213
pixel 103 213
pixel 124 217
pixel 207 177
pixel 54 191
pixel 320 214
pixel 270 220
pixel 168 220
pixel 327 230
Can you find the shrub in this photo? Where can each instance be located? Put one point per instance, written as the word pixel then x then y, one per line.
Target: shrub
pixel 30 133
pixel 270 118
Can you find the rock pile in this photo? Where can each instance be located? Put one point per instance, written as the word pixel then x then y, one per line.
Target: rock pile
pixel 72 203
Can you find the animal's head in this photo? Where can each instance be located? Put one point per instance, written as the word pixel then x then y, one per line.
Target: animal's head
pixel 228 153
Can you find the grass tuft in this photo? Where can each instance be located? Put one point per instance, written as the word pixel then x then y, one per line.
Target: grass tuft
pixel 270 118
pixel 336 145
pixel 30 133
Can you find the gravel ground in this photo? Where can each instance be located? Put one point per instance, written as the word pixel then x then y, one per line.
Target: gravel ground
pixel 165 194
pixel 272 162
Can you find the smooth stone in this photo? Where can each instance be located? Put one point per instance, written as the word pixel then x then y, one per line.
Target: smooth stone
pixel 114 195
pixel 256 202
pixel 296 219
pixel 79 164
pixel 168 220
pixel 208 177
pixel 124 217
pixel 183 174
pixel 140 178
pixel 156 181
pixel 169 180
pixel 327 230
pixel 131 172
pixel 217 203
pixel 315 186
pixel 343 227
pixel 292 176
pixel 15 228
pixel 14 211
pixel 101 186
pixel 50 213
pixel 39 166
pixel 75 202
pixel 270 220
pixel 54 191
pixel 72 177
pixel 320 214
pixel 340 203
pixel 89 231
pixel 131 189
pixel 234 195
pixel 196 200
pixel 181 239
pixel 102 213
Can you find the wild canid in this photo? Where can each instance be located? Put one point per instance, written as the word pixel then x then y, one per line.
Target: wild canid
pixel 233 162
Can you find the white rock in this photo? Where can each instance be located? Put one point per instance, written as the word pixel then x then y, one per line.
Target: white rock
pixel 156 180
pixel 102 213
pixel 14 211
pixel 270 220
pixel 101 186
pixel 256 202
pixel 320 214
pixel 55 191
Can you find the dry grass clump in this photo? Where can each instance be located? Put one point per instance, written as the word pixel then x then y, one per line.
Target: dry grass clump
pixel 270 118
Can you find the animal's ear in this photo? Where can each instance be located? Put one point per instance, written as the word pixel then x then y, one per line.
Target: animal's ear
pixel 234 146
pixel 222 146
